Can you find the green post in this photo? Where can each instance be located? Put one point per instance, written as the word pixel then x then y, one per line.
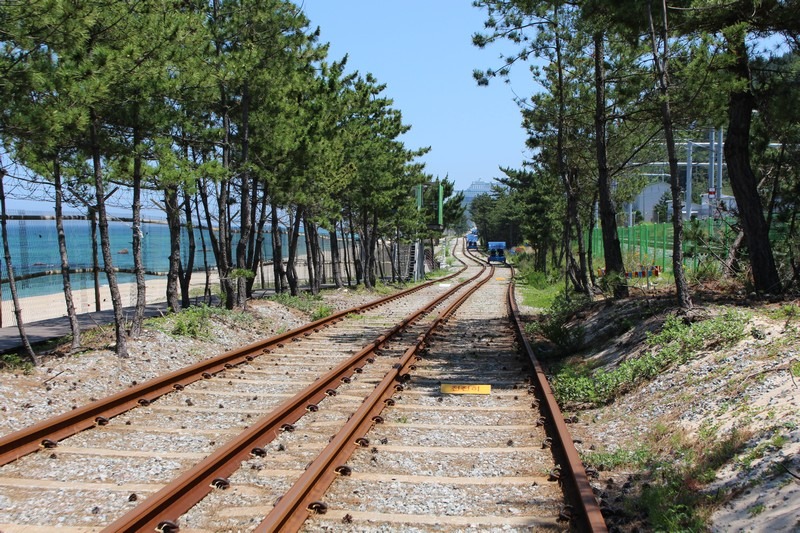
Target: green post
pixel 630 239
pixel 641 245
pixel 664 248
pixel 441 194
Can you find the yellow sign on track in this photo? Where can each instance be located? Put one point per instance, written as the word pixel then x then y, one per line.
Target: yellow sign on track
pixel 465 388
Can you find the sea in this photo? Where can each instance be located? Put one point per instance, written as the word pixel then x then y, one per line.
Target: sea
pixel 34 250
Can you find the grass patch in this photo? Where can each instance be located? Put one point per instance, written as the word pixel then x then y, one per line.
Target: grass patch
pixel 616 459
pixel 541 298
pixel 789 313
pixel 776 442
pixel 670 496
pixel 13 362
pixel 382 289
pixel 552 324
pixel 195 321
pixel 313 305
pixel 675 344
pixel 438 273
pixel 305 302
pixel 322 311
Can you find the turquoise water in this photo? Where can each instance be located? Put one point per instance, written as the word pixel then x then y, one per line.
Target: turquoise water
pixel 34 249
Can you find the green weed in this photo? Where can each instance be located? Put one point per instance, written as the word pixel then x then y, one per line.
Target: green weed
pixel 619 458
pixel 671 499
pixel 438 273
pixel 787 312
pixel 670 505
pixel 13 362
pixel 756 510
pixel 675 344
pixel 193 322
pixel 321 312
pixel 776 442
pixel 539 297
pixel 552 323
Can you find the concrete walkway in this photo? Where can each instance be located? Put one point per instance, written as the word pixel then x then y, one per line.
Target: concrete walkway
pixel 54 328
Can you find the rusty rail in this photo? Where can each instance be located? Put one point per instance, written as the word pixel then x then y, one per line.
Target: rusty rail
pixel 162 510
pixel 576 483
pixel 292 510
pixel 27 440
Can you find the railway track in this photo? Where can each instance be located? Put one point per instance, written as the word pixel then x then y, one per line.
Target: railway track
pixel 252 439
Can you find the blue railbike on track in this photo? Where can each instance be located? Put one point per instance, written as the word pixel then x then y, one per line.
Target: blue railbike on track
pixel 497 252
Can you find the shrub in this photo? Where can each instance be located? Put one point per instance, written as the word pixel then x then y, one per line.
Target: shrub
pixel 552 324
pixel 321 312
pixel 193 322
pixel 675 344
pixel 13 361
pixel 313 305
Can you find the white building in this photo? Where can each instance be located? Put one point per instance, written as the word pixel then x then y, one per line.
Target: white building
pixel 647 200
pixel 473 191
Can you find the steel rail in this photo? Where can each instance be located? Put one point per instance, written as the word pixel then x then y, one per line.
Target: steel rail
pixel 161 510
pixel 576 482
pixel 291 511
pixel 50 431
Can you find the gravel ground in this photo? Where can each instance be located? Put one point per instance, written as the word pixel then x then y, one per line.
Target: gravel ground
pixel 745 388
pixel 743 394
pixel 61 383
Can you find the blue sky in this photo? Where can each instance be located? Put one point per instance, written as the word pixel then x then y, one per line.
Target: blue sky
pixel 422 50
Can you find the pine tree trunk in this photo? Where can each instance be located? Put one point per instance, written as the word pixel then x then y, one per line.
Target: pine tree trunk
pixel 224 260
pixel 662 71
pixel 256 255
pixel 608 213
pixel 742 178
pixel 311 256
pixel 589 248
pixel 336 259
pixel 136 240
pixel 366 250
pixel 206 268
pixel 174 224
pixel 356 256
pixel 105 241
pixel 12 284
pixel 185 274
pixel 346 257
pixel 95 257
pixel 582 273
pixel 74 325
pixel 317 257
pixel 291 270
pixel 731 264
pixel 373 246
pixel 277 252
pixel 573 225
pixel 212 235
pixel 245 219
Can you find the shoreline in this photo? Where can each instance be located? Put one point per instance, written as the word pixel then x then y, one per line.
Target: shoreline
pixel 49 306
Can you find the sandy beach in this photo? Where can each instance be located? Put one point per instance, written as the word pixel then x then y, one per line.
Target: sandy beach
pixel 37 308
